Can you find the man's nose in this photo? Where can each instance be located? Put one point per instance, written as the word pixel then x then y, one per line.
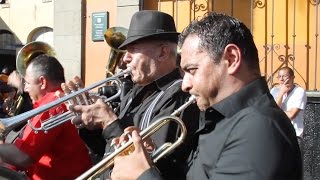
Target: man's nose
pixel 25 89
pixel 127 58
pixel 186 83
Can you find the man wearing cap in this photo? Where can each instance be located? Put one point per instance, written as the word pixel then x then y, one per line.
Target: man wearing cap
pixel 151 54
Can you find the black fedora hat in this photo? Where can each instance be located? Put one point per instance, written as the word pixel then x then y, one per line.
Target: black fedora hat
pixel 149 24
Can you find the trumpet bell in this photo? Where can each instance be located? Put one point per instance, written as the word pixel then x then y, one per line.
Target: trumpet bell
pixel 30 51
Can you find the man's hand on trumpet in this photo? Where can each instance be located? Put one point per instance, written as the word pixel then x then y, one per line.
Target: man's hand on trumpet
pixel 92 113
pixel 147 142
pixel 95 116
pixel 75 85
pixel 133 165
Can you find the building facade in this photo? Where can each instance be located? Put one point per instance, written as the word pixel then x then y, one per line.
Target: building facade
pixel 286 33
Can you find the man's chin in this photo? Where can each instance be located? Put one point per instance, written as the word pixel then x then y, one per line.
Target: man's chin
pixel 201 106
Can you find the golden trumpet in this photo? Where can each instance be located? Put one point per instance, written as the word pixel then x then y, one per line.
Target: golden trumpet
pixel 163 150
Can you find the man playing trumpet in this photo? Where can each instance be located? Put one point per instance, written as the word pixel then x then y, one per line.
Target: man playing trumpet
pixel 151 55
pixel 243 134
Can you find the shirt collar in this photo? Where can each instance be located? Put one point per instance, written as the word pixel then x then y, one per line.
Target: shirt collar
pixel 245 97
pixel 165 81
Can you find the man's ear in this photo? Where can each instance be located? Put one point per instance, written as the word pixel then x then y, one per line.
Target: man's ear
pixel 164 53
pixel 232 55
pixel 44 82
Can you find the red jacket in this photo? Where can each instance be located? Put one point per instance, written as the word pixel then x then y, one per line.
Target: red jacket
pixel 58 154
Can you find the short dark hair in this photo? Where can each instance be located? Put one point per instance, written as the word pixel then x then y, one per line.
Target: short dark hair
pixel 290 71
pixel 216 31
pixel 48 66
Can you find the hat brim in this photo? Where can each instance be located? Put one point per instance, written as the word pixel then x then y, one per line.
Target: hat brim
pixel 170 36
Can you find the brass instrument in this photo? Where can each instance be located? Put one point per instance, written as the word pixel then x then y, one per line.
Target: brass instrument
pixel 30 51
pixel 114 36
pixel 163 150
pixel 13 105
pixel 7 124
pixel 25 54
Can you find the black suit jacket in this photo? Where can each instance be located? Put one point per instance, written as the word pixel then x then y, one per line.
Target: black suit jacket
pixel 133 108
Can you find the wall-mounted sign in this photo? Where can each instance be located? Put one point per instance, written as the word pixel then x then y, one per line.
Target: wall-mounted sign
pixel 99 25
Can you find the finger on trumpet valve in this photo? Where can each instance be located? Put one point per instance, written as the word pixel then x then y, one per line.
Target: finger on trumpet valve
pixel 73 88
pixel 85 96
pixel 123 143
pixel 67 91
pixel 78 81
pixel 128 135
pixel 113 144
pixel 65 88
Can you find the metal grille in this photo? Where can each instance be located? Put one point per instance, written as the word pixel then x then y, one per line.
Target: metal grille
pixel 286 31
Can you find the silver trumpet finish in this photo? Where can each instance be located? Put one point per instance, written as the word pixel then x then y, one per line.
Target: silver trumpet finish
pixel 7 124
pixel 128 147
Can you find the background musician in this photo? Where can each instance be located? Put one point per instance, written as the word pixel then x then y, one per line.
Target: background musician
pixel 151 54
pixel 6 91
pixel 20 102
pixel 58 154
pixel 243 134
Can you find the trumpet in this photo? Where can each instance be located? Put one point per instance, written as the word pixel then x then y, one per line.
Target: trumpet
pixel 7 124
pixel 58 119
pixel 128 147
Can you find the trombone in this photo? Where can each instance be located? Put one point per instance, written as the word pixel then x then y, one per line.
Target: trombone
pixel 163 150
pixel 7 124
pixel 114 37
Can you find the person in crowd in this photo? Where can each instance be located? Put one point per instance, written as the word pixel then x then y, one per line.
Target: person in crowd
pixel 19 102
pixel 291 98
pixel 6 91
pixel 59 153
pixel 16 81
pixel 5 71
pixel 151 56
pixel 243 134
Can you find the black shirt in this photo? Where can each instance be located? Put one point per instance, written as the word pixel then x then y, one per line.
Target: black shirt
pixel 136 103
pixel 246 136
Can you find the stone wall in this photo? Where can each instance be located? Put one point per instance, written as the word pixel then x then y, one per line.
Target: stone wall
pixel 311 139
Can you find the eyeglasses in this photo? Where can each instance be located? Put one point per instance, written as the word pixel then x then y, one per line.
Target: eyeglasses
pixel 29 83
pixel 286 76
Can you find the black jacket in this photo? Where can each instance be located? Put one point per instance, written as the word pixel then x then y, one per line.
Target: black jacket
pixel 244 137
pixel 133 110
